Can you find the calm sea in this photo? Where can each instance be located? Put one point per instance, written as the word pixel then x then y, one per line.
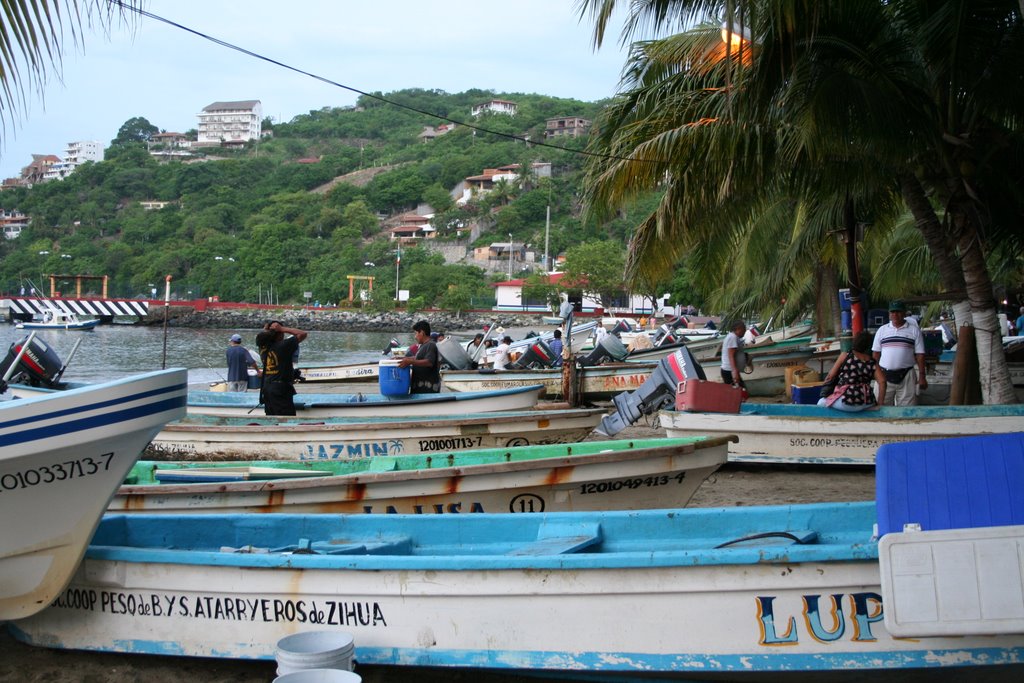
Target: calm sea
pixel 111 351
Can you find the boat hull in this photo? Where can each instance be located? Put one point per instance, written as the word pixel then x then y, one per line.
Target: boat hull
pixel 62 458
pixel 598 383
pixel 665 610
pixel 816 435
pixel 346 372
pixel 344 438
pixel 621 475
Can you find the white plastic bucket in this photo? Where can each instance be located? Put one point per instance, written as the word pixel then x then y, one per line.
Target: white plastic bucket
pixel 315 650
pixel 319 676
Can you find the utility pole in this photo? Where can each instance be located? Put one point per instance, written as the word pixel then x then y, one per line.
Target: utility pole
pixel 547 234
pixel 510 256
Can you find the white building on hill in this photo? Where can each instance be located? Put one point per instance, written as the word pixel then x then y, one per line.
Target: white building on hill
pixel 75 154
pixel 230 122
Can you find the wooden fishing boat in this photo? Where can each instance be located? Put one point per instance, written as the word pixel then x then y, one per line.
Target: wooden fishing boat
pixel 592 475
pixel 61 458
pixel 203 437
pixel 766 591
pixel 808 434
pixel 597 382
pixel 340 372
pixel 765 374
pixel 240 404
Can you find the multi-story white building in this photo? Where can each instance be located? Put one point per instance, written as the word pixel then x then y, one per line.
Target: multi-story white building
pixel 496 106
pixel 75 154
pixel 230 122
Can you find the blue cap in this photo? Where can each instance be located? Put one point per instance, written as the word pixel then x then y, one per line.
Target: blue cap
pixel 237 338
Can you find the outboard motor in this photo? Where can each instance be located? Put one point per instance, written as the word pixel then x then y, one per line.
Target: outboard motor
pixel 610 348
pixel 39 365
pixel 537 355
pixel 664 335
pixel 393 344
pixel 453 356
pixel 656 393
pixel 619 327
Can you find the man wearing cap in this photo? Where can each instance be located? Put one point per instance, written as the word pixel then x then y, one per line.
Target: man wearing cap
pixel 898 348
pixel 239 362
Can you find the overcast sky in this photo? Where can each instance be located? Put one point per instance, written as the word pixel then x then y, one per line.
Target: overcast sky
pixel 167 75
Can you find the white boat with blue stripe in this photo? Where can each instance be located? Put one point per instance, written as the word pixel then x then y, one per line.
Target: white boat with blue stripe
pixel 240 404
pixel 62 457
pixel 816 435
pixel 662 593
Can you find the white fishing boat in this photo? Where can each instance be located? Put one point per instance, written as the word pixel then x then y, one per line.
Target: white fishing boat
pixel 592 475
pixel 597 382
pixel 809 434
pixel 700 593
pixel 241 404
pixel 340 372
pixel 765 374
pixel 203 437
pixel 57 319
pixel 62 456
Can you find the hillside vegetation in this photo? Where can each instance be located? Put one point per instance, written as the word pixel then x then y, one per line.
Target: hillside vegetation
pixel 252 222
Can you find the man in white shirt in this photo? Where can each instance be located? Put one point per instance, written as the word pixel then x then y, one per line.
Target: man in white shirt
pixel 501 358
pixel 898 348
pixel 733 356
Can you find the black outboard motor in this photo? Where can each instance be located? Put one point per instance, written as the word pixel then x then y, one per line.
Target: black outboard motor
pixel 610 348
pixel 619 327
pixel 537 355
pixel 453 356
pixel 664 336
pixel 656 393
pixel 39 365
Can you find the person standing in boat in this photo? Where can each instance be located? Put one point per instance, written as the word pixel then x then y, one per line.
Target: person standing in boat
pixel 239 362
pixel 898 348
pixel 556 348
pixel 426 364
pixel 734 359
pixel 501 358
pixel 278 352
pixel 852 373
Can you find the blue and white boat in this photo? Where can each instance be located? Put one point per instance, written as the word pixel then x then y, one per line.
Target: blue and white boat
pixel 62 457
pixel 57 319
pixel 205 437
pixel 663 593
pixel 813 435
pixel 240 404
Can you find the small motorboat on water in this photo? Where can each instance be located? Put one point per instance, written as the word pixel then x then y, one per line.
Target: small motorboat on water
pixel 57 319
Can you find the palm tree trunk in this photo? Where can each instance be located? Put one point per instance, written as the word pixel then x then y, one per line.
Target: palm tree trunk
pixel 996 387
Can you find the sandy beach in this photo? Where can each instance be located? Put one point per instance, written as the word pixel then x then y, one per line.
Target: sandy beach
pixel 730 486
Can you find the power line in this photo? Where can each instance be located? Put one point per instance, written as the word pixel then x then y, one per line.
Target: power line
pixel 231 46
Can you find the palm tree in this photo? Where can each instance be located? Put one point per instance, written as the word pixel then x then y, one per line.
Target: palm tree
pixel 844 107
pixel 33 34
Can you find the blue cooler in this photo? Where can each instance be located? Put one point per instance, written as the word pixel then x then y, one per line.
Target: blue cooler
pixel 394 381
pixel 807 394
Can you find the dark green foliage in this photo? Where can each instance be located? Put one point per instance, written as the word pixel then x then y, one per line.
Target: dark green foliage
pixel 236 225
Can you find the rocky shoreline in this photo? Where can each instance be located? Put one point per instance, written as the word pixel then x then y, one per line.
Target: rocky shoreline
pixel 338 320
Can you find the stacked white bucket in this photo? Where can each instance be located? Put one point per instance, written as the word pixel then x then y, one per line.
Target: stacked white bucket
pixel 316 657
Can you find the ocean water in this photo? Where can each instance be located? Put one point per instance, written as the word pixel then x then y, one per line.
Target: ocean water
pixel 111 351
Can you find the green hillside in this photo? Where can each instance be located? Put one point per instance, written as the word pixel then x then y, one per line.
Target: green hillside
pixel 241 222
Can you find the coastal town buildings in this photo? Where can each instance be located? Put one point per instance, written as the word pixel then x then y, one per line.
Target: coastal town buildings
pixel 566 126
pixel 230 123
pixel 12 223
pixel 75 154
pixel 497 107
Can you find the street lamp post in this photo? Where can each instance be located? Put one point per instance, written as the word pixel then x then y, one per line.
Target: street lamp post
pixel 398 263
pixel 510 256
